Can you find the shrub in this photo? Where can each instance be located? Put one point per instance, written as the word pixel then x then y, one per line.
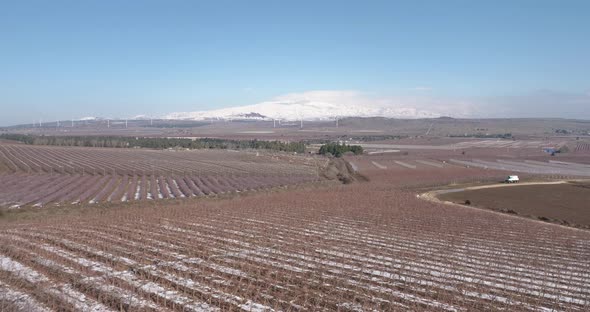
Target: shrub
pixel 338 149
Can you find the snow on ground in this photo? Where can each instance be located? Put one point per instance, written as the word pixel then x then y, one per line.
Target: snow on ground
pixel 178 188
pixel 23 302
pixel 378 165
pixel 137 191
pixel 24 272
pixel 63 291
pixel 168 189
pixel 149 187
pixel 405 164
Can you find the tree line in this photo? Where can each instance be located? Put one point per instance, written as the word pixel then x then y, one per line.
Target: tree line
pixel 337 149
pixel 155 143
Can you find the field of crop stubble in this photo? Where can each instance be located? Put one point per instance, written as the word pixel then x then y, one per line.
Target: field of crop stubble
pixel 357 247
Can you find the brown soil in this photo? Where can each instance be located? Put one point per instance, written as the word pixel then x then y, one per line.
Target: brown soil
pixel 567 203
pixel 340 169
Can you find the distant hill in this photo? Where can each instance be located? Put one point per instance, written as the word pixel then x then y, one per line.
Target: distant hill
pixel 311 106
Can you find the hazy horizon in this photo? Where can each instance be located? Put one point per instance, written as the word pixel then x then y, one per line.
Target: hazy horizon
pixel 70 59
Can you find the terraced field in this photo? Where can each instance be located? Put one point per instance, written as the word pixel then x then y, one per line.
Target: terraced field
pixel 359 247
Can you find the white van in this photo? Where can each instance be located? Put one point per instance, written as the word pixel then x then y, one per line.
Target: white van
pixel 512 179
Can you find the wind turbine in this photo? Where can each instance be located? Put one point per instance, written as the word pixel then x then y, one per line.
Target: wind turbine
pixel 298 113
pixel 301 119
pixel 429 128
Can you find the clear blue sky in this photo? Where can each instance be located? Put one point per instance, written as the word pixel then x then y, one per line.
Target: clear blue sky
pixel 63 59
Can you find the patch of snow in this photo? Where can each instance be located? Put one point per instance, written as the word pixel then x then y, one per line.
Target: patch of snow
pixel 79 300
pixel 149 187
pixel 137 191
pixel 404 164
pixel 383 152
pixel 160 196
pixel 20 300
pixel 168 189
pixel 88 118
pixel 376 164
pixel 177 187
pixel 24 272
pixel 65 292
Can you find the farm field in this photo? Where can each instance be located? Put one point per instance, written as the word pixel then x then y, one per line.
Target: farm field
pixel 18 158
pixel 465 144
pixel 357 247
pixel 39 175
pixel 526 165
pixel 522 156
pixel 41 190
pixel 566 203
pixel 582 147
pixel 373 244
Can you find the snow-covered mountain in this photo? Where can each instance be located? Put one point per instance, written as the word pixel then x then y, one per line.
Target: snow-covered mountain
pixel 315 105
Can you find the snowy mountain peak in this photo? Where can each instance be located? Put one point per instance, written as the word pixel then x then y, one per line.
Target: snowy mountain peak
pixel 315 105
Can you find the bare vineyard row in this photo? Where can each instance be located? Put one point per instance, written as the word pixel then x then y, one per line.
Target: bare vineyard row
pixel 39 190
pixel 583 147
pixel 95 161
pixel 277 258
